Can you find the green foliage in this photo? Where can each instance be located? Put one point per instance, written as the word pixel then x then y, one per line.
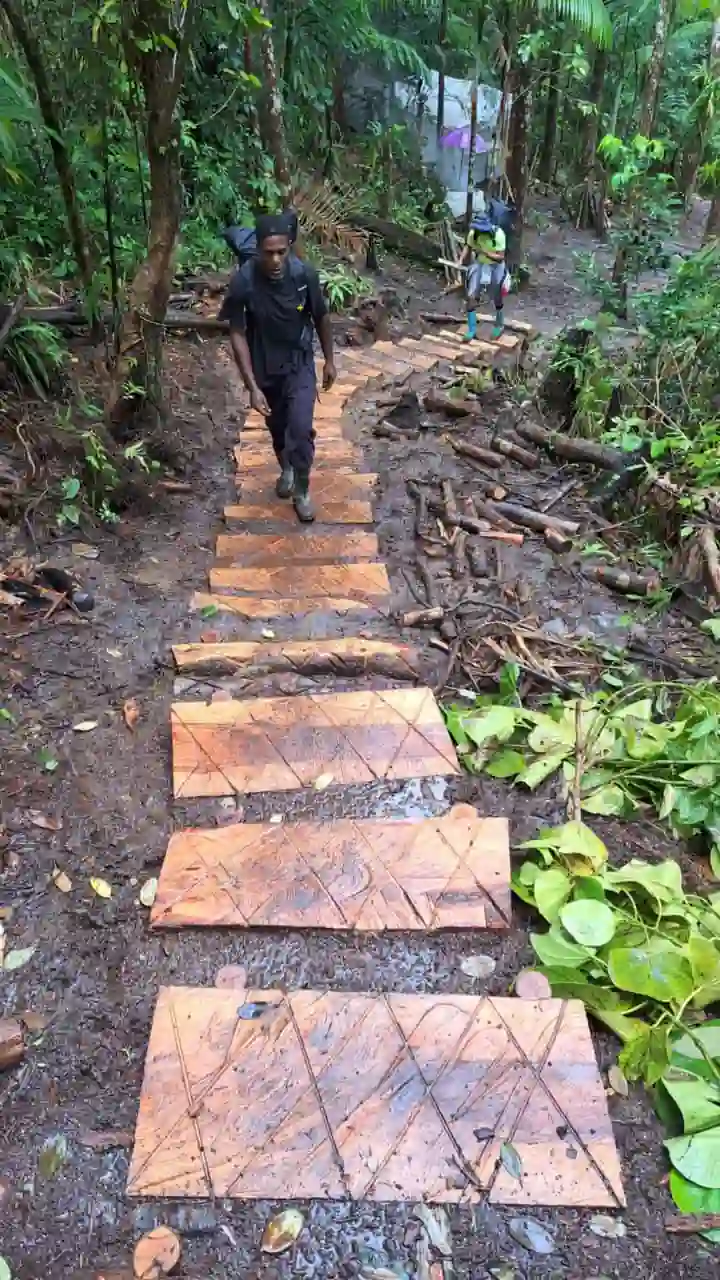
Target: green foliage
pixel 35 356
pixel 342 287
pixel 95 482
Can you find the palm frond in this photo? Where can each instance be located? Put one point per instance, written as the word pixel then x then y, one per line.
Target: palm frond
pixel 590 16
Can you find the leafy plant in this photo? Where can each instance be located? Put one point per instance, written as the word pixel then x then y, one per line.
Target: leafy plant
pixel 343 287
pixel 36 355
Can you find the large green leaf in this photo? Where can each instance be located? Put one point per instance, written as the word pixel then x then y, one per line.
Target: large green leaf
pixel 551 736
pixel 583 852
pixel 658 969
pixel 607 800
pixel 496 724
pixel 646 1055
pixel 552 889
pixel 691 1198
pixel 705 964
pixel 506 764
pixel 540 769
pixel 697 1157
pixel 698 1102
pixel 590 923
pixel 662 880
pixel 558 950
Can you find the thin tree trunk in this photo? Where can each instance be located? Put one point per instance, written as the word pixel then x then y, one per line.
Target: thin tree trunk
pixel 712 226
pixel 518 169
pixel 442 40
pixel 136 381
pixel 469 200
pixel 32 51
pixel 547 151
pixel 272 121
pixel 655 70
pixel 592 212
pixel 693 158
pixel 289 43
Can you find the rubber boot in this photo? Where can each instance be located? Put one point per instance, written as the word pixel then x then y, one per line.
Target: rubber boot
pixel 301 497
pixel 471 331
pixel 499 324
pixel 285 482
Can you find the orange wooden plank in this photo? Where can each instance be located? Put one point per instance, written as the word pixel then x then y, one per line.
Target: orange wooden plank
pixel 356 1096
pixel 335 454
pixel 281 744
pixel 273 509
pixel 300 547
pixel 251 607
pixel 367 583
pixel 328 425
pixel 325 486
pixel 437 873
pixel 343 654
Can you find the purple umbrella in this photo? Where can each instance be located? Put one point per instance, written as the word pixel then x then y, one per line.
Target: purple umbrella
pixel 461 138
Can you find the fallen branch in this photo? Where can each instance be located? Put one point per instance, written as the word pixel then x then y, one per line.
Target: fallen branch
pixel 422 617
pixel 538 521
pixel 475 451
pixel 561 493
pixel 690 1223
pixel 451 507
pixel 12 318
pixel 419 497
pixel 481 528
pixel 515 451
pixel 384 431
pixel 70 317
pixel 425 576
pixel 597 455
pixel 630 584
pixel 459 555
pixel 438 402
pixel 175 486
pixel 12 1043
pixel 556 541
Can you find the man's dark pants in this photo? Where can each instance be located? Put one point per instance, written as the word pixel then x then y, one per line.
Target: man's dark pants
pixel 292 403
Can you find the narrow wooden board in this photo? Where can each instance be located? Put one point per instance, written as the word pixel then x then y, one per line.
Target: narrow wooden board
pixel 282 744
pixel 298 548
pixel 325 486
pixel 330 428
pixel 337 455
pixel 428 345
pixel 367 583
pixel 451 872
pixel 340 654
pixel 279 512
pixel 380 1097
pixel 250 607
pixel 506 341
pixel 395 363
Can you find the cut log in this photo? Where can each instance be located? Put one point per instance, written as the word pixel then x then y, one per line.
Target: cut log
pixel 596 455
pixel 515 451
pixel 11 317
pixel 448 497
pixel 459 555
pixel 384 431
pixel 500 535
pixel 175 486
pixel 493 513
pixel 12 1043
pixel 409 243
pixel 440 317
pixel 422 617
pixel 419 497
pixel 438 402
pixel 425 576
pixel 481 528
pixel 475 451
pixel 630 584
pixel 556 541
pixel 71 317
pixel 538 521
pixel 709 549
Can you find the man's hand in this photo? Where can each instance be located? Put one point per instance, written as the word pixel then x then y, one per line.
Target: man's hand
pixel 329 375
pixel 259 403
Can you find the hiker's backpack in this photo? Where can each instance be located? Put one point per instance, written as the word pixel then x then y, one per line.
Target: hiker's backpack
pixel 502 215
pixel 243 242
pixel 483 224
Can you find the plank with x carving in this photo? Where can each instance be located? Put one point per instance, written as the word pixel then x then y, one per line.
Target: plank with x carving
pixel 346 1095
pixel 447 872
pixel 282 744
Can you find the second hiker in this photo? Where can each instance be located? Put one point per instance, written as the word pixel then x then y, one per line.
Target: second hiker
pixel 273 304
pixel 484 255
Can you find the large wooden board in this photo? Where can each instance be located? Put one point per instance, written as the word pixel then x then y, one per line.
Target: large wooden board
pixel 367 583
pixel 273 510
pixel 282 744
pixel 328 453
pixel 347 1095
pixel 325 486
pixel 328 426
pixel 341 655
pixel 301 547
pixel 451 872
pixel 252 607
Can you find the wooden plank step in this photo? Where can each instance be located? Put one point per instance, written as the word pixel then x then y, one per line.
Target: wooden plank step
pixel 506 341
pixel 335 454
pixel 427 345
pixel 275 510
pixel 262 1094
pixel 329 427
pixel 297 548
pixel 325 486
pixel 339 655
pixel 451 872
pixel 284 744
pixel 250 608
pixel 367 583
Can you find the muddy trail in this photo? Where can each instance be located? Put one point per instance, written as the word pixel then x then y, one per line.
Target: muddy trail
pixel 97 804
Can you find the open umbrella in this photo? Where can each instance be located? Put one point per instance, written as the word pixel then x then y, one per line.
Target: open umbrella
pixel 460 137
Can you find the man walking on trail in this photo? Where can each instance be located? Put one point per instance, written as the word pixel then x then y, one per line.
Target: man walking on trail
pixel 273 304
pixel 484 255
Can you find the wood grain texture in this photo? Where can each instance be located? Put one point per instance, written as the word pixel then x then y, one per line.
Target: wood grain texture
pixel 328 453
pixel 325 486
pixel 367 583
pixel 354 1096
pixel 250 607
pixel 328 426
pixel 301 547
pixel 271 509
pixel 341 654
pixel 283 744
pixel 451 872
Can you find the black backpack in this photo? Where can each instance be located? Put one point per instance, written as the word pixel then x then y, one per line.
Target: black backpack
pixel 502 215
pixel 243 242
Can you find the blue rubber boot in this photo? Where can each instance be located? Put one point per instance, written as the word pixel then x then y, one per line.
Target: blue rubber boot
pixel 471 332
pixel 499 324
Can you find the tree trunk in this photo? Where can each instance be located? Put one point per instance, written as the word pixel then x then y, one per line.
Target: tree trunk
pixel 712 226
pixel 289 44
pixel 30 46
pixel 469 200
pixel 655 70
pixel 592 211
pixel 272 121
pixel 136 381
pixel 704 128
pixel 442 39
pixel 547 151
pixel 518 161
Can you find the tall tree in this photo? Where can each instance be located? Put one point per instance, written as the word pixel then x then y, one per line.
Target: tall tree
pixel 712 226
pixel 655 69
pixel 272 116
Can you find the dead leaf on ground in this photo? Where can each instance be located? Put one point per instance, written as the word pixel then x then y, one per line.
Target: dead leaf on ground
pixel 437 1227
pixel 231 976
pixel 34 1022
pixel 156 1254
pixel 85 726
pixel 531 985
pixel 41 820
pixel 18 958
pixel 101 887
pixel 148 892
pixel 617 1081
pixel 323 781
pixel 606 1227
pixel 478 966
pixel 282 1231
pixel 53 1154
pixel 131 713
pixel 105 1140
pixel 85 550
pixel 61 880
pixel 510 1160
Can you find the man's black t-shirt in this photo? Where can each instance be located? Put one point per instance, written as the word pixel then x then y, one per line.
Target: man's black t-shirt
pixel 277 316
